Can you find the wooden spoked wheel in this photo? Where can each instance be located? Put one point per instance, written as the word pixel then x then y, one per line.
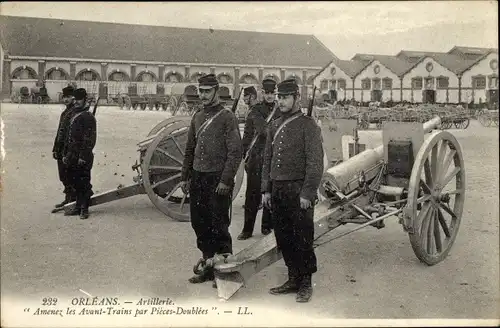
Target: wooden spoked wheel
pixel 172 105
pixel 183 109
pixel 462 124
pixel 163 124
pixel 436 197
pixel 484 119
pixel 162 165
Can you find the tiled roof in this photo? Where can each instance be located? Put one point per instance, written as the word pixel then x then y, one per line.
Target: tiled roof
pixel 350 67
pixel 42 37
pixel 454 63
pixel 396 65
pixel 471 50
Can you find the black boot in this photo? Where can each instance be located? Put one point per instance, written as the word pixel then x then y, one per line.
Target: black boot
pixel 290 286
pixel 76 210
pixel 244 235
pixel 203 277
pixel 305 289
pixel 84 213
pixel 67 200
pixel 266 231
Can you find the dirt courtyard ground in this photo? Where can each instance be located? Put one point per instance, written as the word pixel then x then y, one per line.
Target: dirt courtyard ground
pixel 128 249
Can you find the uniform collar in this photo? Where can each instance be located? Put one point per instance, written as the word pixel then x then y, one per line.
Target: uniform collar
pixel 212 107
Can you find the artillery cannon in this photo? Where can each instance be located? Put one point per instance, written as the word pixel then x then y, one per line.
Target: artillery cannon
pixel 406 177
pixel 159 171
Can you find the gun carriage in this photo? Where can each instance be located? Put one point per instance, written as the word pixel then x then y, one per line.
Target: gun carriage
pixel 488 117
pixel 417 176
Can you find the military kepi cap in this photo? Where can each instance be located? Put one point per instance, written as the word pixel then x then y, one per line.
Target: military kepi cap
pixel 268 85
pixel 249 91
pixel 288 87
pixel 208 81
pixel 68 91
pixel 80 94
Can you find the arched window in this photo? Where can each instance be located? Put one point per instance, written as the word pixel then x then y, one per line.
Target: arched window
pixel 295 77
pixel 224 78
pixel 196 76
pixel 87 75
pixel 56 73
pixel 275 78
pixel 248 79
pixel 118 76
pixel 176 77
pixel 146 76
pixel 24 73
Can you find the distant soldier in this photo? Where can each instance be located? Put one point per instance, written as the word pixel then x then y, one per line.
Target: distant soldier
pixel 212 157
pixel 292 171
pixel 256 127
pixel 59 145
pixel 78 153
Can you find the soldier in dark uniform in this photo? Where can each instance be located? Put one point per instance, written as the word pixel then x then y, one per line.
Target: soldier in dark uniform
pixel 256 126
pixel 59 143
pixel 78 152
pixel 292 171
pixel 212 157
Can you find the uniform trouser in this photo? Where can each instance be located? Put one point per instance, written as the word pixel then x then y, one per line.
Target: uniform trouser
pixel 80 176
pixel 293 228
pixel 65 178
pixel 253 199
pixel 210 214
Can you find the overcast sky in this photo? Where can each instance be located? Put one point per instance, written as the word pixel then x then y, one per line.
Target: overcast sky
pixel 345 28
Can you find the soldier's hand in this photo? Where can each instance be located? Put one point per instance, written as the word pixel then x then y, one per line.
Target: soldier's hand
pixel 65 160
pixel 184 187
pixel 81 161
pixel 222 189
pixel 266 200
pixel 304 203
pixel 54 155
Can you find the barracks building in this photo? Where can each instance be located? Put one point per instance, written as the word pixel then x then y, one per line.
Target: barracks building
pixel 110 58
pixel 461 75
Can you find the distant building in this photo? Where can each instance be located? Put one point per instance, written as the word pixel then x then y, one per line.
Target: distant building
pixel 462 75
pixel 109 58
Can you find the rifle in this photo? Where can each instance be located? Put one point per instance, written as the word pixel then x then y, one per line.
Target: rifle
pixel 95 106
pixel 254 140
pixel 235 104
pixel 310 108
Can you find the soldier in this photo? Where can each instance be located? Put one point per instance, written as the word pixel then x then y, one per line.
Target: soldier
pixel 78 155
pixel 255 127
pixel 59 144
pixel 292 171
pixel 212 158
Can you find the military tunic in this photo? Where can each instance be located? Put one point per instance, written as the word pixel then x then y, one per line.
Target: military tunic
pixel 293 167
pixel 255 125
pixel 212 157
pixel 59 145
pixel 81 140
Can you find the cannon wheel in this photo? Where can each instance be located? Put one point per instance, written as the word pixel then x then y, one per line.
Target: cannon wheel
pixel 172 105
pixel 463 124
pixel 162 164
pixel 484 119
pixel 436 197
pixel 163 124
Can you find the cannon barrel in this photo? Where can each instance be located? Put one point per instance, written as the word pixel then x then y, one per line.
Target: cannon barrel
pixel 344 176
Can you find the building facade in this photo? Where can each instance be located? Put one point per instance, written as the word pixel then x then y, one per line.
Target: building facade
pixel 110 59
pixel 462 75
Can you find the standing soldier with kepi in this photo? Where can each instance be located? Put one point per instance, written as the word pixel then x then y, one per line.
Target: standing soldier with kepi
pixel 59 144
pixel 78 154
pixel 293 167
pixel 255 127
pixel 212 158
